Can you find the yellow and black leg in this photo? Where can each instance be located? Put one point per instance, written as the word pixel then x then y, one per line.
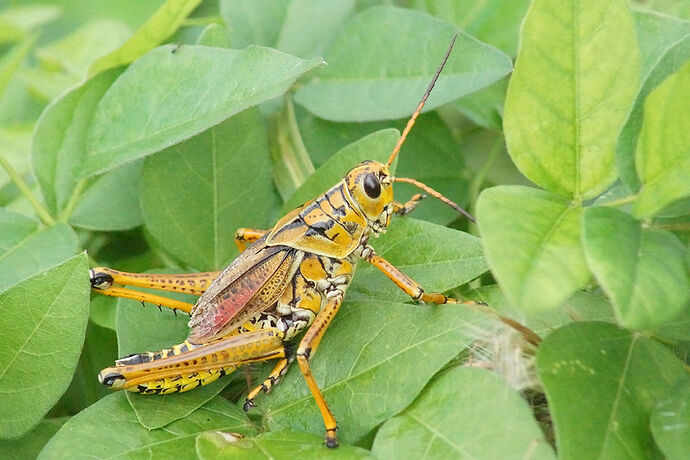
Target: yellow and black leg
pixel 107 281
pixel 414 290
pixel 406 208
pixel 173 371
pixel 273 378
pixel 246 236
pixel 307 348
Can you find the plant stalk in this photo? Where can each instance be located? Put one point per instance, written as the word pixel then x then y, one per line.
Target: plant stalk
pixel 42 212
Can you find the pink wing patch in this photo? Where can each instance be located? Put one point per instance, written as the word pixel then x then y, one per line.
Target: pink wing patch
pixel 234 297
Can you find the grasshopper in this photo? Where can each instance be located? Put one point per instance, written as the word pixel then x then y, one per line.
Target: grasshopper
pixel 286 281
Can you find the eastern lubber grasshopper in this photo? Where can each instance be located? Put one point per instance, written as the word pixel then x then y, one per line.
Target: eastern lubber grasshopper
pixel 291 279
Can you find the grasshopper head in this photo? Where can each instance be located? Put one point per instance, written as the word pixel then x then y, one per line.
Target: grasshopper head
pixel 370 186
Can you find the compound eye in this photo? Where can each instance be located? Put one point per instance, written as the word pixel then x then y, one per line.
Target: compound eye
pixel 372 186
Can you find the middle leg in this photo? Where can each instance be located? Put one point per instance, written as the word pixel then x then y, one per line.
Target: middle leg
pixel 414 290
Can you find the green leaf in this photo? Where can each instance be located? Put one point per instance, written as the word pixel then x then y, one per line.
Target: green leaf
pixel 283 445
pixel 205 85
pixel 439 258
pixel 663 149
pixel 110 428
pixel 575 78
pixel 388 80
pixel 465 413
pixel 111 202
pixel 671 422
pixel 373 361
pixel 31 444
pixel 197 193
pixel 166 20
pixel 58 144
pixel 495 22
pixel 147 329
pixel 25 253
pixel 641 269
pixel 598 381
pixel 664 47
pixel 376 146
pixel 532 243
pixel 43 323
pixel 214 35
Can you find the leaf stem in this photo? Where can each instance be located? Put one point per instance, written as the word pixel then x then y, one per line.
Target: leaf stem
pixel 42 212
pixel 621 201
pixel 291 162
pixel 72 203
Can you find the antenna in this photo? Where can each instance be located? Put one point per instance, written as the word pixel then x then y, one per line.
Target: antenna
pixel 416 113
pixel 435 194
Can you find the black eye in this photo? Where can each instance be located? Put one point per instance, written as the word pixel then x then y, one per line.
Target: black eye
pixel 372 186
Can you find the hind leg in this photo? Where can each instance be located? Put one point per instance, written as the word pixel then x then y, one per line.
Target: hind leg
pixel 188 369
pixel 107 281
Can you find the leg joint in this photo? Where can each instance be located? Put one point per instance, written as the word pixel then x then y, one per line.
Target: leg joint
pixel 304 353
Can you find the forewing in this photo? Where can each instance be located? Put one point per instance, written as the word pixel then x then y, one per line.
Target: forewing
pixel 251 283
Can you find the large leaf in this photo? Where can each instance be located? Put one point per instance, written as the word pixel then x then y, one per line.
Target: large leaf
pixel 671 422
pixel 466 413
pixel 663 149
pixel 43 323
pixel 148 329
pixel 439 258
pixel 59 138
pixel 196 194
pixel 532 243
pixel 282 445
pixel 157 28
pixel 575 78
pixel 597 381
pixel 387 81
pixel 171 94
pixel 664 47
pixel 641 269
pixel 24 252
pixel 373 361
pixel 376 146
pixel 110 428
